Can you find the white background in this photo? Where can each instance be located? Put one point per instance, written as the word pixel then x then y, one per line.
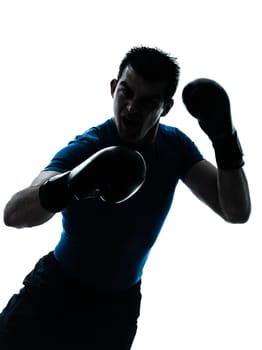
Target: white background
pixel 202 284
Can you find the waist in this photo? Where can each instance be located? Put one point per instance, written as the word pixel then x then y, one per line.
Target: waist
pixel 103 268
pixel 49 276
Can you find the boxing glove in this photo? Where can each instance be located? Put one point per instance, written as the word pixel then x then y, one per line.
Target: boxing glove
pixel 114 174
pixel 209 103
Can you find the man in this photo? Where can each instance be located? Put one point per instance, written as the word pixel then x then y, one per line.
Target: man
pixel 86 294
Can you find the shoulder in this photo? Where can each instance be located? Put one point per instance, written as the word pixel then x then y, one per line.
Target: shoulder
pixel 96 133
pixel 173 135
pixel 82 147
pixel 95 138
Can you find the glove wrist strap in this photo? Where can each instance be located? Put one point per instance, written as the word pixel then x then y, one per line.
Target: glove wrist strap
pixel 228 152
pixel 54 193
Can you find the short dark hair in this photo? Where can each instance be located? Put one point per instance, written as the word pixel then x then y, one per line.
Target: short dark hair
pixel 153 65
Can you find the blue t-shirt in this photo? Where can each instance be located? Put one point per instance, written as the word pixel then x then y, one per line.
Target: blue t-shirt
pixel 107 245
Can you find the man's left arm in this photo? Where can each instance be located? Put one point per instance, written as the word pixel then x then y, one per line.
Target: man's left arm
pixel 224 191
pixel 223 188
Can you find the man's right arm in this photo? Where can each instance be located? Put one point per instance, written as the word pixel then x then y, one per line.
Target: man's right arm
pixel 24 208
pixel 112 174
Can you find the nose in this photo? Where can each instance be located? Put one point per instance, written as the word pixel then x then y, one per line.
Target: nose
pixel 132 107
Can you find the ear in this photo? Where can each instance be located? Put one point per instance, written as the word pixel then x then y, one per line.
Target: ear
pixel 113 85
pixel 167 106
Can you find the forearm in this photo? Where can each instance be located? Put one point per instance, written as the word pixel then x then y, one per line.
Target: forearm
pixel 24 209
pixel 233 195
pixel 224 189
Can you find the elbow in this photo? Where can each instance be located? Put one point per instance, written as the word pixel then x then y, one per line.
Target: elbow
pixel 9 218
pixel 10 214
pixel 8 221
pixel 238 220
pixel 244 219
pixel 238 217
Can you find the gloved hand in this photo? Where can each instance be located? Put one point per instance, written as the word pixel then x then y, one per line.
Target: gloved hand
pixel 114 174
pixel 209 103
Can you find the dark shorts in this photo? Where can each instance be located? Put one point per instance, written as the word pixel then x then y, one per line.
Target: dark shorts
pixel 56 312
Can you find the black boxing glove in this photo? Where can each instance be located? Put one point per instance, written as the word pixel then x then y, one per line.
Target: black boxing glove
pixel 114 174
pixel 208 102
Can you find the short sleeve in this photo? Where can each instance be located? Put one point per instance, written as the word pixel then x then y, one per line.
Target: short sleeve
pixel 77 150
pixel 189 153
